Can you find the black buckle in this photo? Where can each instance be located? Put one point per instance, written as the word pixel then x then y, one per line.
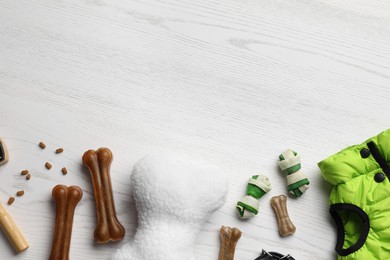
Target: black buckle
pixel 273 256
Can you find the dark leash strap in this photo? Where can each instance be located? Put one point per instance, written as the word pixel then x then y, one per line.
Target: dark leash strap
pixel 273 256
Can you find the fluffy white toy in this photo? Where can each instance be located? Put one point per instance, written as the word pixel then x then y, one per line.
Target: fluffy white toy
pixel 174 197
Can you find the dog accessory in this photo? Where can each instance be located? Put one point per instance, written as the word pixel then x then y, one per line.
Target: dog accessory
pixel 285 225
pixel 248 207
pixel 229 238
pixel 174 196
pixel 290 164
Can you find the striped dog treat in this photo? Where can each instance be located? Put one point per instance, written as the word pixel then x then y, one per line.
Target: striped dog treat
pixel 258 185
pixel 290 164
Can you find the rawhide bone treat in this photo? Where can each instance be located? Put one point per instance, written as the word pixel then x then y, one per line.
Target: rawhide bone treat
pixel 66 199
pixel 258 185
pixel 12 231
pixel 108 227
pixel 229 238
pixel 290 164
pixel 174 196
pixel 279 204
pixel 3 152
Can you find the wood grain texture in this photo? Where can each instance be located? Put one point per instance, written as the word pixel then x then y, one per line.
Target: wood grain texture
pixel 231 82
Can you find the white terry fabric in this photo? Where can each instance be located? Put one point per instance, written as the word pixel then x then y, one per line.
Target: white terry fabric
pixel 174 197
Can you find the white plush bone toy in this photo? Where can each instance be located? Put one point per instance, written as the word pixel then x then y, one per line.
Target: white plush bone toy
pixel 174 197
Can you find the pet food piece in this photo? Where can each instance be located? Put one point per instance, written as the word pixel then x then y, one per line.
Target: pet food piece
pixel 66 199
pixel 12 231
pixel 11 200
pixel 4 157
pixel 20 193
pixel 290 164
pixel 108 227
pixel 24 172
pixel 28 176
pixel 59 150
pixel 279 204
pixel 258 185
pixel 229 238
pixel 48 165
pixel 64 171
pixel 42 145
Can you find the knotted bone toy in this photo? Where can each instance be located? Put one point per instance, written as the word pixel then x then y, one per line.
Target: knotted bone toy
pixel 290 164
pixel 174 197
pixel 258 185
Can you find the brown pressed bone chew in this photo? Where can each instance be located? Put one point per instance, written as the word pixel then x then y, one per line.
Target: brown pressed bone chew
pixel 66 199
pixel 108 227
pixel 279 204
pixel 229 238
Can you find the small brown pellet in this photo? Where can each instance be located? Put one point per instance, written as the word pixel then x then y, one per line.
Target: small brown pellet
pixel 64 171
pixel 24 172
pixel 59 150
pixel 42 145
pixel 20 193
pixel 11 200
pixel 28 176
pixel 48 165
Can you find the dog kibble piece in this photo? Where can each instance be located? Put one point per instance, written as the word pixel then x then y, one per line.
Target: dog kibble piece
pixel 28 176
pixel 20 193
pixel 59 150
pixel 11 200
pixel 48 165
pixel 24 172
pixel 64 171
pixel 42 145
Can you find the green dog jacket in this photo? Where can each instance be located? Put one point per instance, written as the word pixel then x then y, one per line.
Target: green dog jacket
pixel 360 199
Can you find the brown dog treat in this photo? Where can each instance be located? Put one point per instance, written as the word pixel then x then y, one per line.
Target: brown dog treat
pixel 42 145
pixel 11 200
pixel 48 165
pixel 4 157
pixel 24 172
pixel 279 204
pixel 229 238
pixel 20 193
pixel 59 150
pixel 28 176
pixel 64 171
pixel 108 227
pixel 66 199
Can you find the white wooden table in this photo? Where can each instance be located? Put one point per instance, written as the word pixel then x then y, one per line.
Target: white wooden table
pixel 231 82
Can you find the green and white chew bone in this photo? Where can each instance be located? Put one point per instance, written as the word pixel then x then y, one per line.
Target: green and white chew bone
pixel 290 164
pixel 258 185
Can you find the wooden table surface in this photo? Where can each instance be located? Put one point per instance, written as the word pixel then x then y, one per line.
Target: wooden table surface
pixel 232 82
